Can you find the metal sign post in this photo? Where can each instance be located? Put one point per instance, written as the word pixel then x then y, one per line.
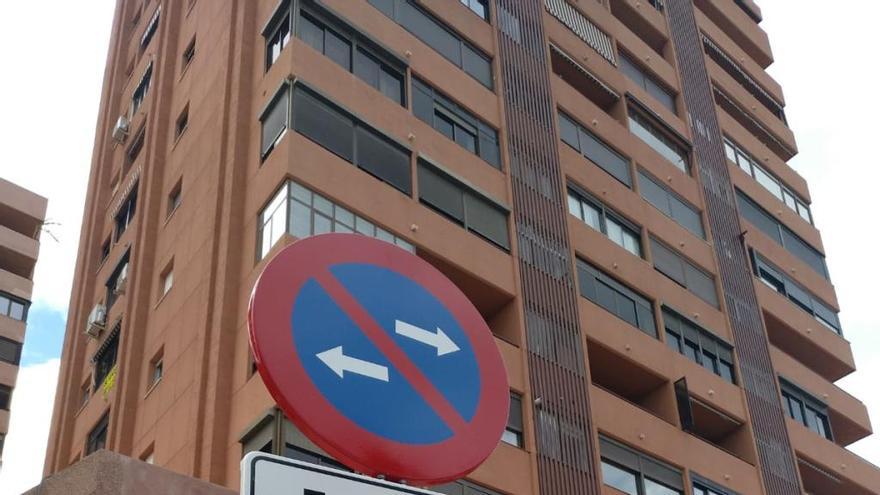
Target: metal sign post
pixel 266 474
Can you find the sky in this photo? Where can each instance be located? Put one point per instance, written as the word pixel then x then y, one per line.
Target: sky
pixel 49 96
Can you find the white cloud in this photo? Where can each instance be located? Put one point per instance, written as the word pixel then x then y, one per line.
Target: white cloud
pixel 824 62
pixel 25 448
pixel 48 118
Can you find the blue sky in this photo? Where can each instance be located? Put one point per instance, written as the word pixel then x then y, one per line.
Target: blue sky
pixel 45 334
pixel 58 94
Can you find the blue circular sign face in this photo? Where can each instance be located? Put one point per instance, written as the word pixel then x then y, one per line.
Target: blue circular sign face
pixel 359 380
pixel 378 358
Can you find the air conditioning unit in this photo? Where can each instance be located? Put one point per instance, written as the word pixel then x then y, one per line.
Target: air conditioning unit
pixel 121 283
pixel 97 321
pixel 120 130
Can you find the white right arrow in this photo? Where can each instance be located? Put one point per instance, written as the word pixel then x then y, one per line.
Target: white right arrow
pixel 438 340
pixel 336 360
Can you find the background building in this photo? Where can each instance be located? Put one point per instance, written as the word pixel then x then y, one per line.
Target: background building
pixel 606 180
pixel 21 220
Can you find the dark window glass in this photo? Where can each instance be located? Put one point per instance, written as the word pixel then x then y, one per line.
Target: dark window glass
pixel 699 345
pixel 650 132
pixel 477 65
pixel 5 397
pixel 13 307
pixel 676 267
pixel 670 204
pixel 98 436
pixel 423 101
pixel 440 193
pixel 151 29
pixel 780 282
pixel 341 42
pixel 10 351
pixel 126 213
pixel 140 92
pixel 647 82
pixel 466 138
pixel 382 159
pixel 311 33
pixel 619 478
pixel 337 49
pixel 595 149
pixel 278 35
pixel 805 409
pixel 765 222
pixel 635 473
pixel 366 68
pixel 486 219
pixel 479 7
pixel 568 131
pixel 444 125
pixel 463 205
pixel 673 340
pixel 616 298
pixel 513 432
pixel 323 124
pixel 436 35
pixel 455 122
pixel 391 84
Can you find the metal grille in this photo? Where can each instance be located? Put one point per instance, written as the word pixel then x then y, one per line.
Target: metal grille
pixel 582 27
pixel 758 378
pixel 565 447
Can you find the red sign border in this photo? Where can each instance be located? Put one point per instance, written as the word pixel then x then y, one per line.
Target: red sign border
pixel 270 309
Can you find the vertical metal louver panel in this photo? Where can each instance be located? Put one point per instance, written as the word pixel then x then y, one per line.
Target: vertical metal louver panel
pixel 778 467
pixel 556 354
pixel 582 27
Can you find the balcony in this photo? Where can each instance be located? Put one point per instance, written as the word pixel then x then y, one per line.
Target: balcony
pixel 848 416
pixel 801 336
pixel 829 469
pixel 740 27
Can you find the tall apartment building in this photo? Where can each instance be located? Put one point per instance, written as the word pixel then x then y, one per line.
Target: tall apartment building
pixel 21 220
pixel 606 180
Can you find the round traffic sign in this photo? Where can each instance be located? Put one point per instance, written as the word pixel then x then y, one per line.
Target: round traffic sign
pixel 378 358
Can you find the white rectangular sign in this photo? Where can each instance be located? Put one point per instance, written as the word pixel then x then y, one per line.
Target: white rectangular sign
pixel 266 474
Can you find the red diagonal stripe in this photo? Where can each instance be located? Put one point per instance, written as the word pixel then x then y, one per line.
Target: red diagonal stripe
pixel 391 351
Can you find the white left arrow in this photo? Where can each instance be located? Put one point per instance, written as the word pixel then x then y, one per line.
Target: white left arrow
pixel 336 360
pixel 438 340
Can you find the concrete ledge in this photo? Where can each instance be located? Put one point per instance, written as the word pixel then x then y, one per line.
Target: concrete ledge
pixel 109 473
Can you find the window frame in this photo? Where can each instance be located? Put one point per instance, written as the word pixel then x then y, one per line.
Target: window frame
pixel 707 342
pixel 514 427
pixel 6 396
pixel 464 46
pixel 606 214
pixel 486 138
pixel 784 285
pixel 784 236
pixel 98 435
pixel 622 290
pixel 644 466
pixel 359 43
pixel 673 142
pixel 740 155
pixel 272 29
pixel 808 403
pixel 626 176
pixel 687 267
pixel 466 193
pixel 671 197
pixel 291 194
pixel 12 299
